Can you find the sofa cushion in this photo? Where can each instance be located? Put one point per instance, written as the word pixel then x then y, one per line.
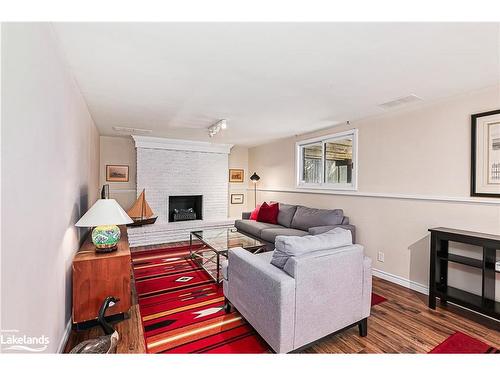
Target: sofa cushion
pixel 255 213
pixel 253 227
pixel 270 234
pixel 306 217
pixel 268 213
pixel 285 214
pixel 291 246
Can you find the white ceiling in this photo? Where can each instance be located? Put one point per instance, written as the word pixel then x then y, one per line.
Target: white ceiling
pixel 269 80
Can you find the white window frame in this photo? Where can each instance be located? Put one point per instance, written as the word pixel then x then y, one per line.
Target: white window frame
pixel 353 186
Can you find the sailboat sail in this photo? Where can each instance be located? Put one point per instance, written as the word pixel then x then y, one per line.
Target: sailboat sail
pixel 140 209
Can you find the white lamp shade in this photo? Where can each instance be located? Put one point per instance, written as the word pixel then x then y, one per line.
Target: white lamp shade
pixel 104 212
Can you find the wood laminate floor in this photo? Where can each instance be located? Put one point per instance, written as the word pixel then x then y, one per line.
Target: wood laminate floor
pixel 402 324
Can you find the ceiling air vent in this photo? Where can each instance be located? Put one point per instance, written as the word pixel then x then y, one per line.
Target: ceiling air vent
pixel 401 101
pixel 131 130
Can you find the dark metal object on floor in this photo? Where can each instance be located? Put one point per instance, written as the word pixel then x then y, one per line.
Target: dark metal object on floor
pixel 104 344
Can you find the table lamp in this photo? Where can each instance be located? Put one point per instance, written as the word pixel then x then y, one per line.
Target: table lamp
pixel 255 177
pixel 105 215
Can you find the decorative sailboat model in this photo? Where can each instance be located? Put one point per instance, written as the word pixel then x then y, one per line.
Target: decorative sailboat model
pixel 140 212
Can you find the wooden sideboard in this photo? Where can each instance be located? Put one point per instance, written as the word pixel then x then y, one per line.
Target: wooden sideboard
pixel 98 275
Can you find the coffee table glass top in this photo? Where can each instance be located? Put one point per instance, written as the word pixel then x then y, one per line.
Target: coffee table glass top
pixel 223 239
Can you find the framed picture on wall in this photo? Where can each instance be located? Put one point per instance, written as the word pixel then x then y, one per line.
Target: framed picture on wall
pixel 236 175
pixel 117 173
pixel 237 198
pixel 485 154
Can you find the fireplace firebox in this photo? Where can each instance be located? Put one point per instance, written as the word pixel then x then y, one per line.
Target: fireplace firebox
pixel 185 207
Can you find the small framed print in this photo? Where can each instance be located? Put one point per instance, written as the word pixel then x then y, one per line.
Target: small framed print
pixel 237 198
pixel 485 154
pixel 236 175
pixel 117 173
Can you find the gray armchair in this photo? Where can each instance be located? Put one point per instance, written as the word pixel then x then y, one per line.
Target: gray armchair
pixel 316 294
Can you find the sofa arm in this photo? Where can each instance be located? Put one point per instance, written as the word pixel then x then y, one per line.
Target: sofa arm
pixel 264 295
pixel 245 215
pixel 318 230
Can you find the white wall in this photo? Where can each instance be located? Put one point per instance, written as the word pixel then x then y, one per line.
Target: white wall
pixel 121 151
pixel 238 159
pixel 423 151
pixel 50 163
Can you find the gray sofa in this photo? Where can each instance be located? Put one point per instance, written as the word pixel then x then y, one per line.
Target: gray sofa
pixel 314 295
pixel 295 221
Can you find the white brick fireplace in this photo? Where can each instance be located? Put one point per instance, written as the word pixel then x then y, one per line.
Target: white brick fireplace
pixel 170 167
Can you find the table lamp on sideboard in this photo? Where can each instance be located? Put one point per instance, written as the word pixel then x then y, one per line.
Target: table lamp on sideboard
pixel 105 216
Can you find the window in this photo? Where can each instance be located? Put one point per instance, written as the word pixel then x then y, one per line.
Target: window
pixel 328 162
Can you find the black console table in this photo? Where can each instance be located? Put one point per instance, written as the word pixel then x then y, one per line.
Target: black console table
pixel 438 278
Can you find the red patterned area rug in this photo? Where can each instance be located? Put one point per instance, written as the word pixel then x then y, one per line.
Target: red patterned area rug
pixel 182 307
pixel 376 299
pixel 460 343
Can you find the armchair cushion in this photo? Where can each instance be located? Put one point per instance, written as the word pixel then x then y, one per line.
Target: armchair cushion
pixel 290 246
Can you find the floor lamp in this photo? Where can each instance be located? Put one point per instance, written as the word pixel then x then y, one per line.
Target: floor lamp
pixel 254 178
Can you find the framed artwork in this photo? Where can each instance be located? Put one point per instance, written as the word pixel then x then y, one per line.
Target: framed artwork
pixel 236 175
pixel 237 198
pixel 485 154
pixel 117 173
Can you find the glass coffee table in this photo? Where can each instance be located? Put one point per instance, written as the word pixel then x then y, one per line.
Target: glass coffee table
pixel 217 243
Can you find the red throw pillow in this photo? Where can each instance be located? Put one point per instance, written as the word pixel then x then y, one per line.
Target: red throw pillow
pixel 268 213
pixel 255 213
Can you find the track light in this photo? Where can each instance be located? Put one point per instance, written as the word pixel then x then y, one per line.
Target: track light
pixel 217 127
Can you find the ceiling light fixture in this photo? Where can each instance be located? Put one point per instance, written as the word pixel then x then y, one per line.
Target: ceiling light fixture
pixel 217 127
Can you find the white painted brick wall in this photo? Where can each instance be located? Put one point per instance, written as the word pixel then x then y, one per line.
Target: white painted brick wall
pixel 167 172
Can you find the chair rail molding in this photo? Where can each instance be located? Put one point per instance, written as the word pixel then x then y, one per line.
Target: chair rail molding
pixel 436 198
pixel 181 145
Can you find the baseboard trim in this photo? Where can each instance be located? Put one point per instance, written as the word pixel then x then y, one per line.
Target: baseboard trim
pixel 64 339
pixel 413 285
pixel 421 288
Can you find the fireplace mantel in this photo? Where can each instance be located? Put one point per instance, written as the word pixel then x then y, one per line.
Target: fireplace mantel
pixel 181 145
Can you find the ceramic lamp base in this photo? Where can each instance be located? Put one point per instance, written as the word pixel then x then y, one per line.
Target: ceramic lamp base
pixel 105 238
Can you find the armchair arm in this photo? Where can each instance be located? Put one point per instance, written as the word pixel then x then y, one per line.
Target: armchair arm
pixel 264 295
pixel 245 215
pixel 318 230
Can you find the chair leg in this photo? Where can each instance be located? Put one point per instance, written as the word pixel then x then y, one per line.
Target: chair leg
pixel 363 327
pixel 227 306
